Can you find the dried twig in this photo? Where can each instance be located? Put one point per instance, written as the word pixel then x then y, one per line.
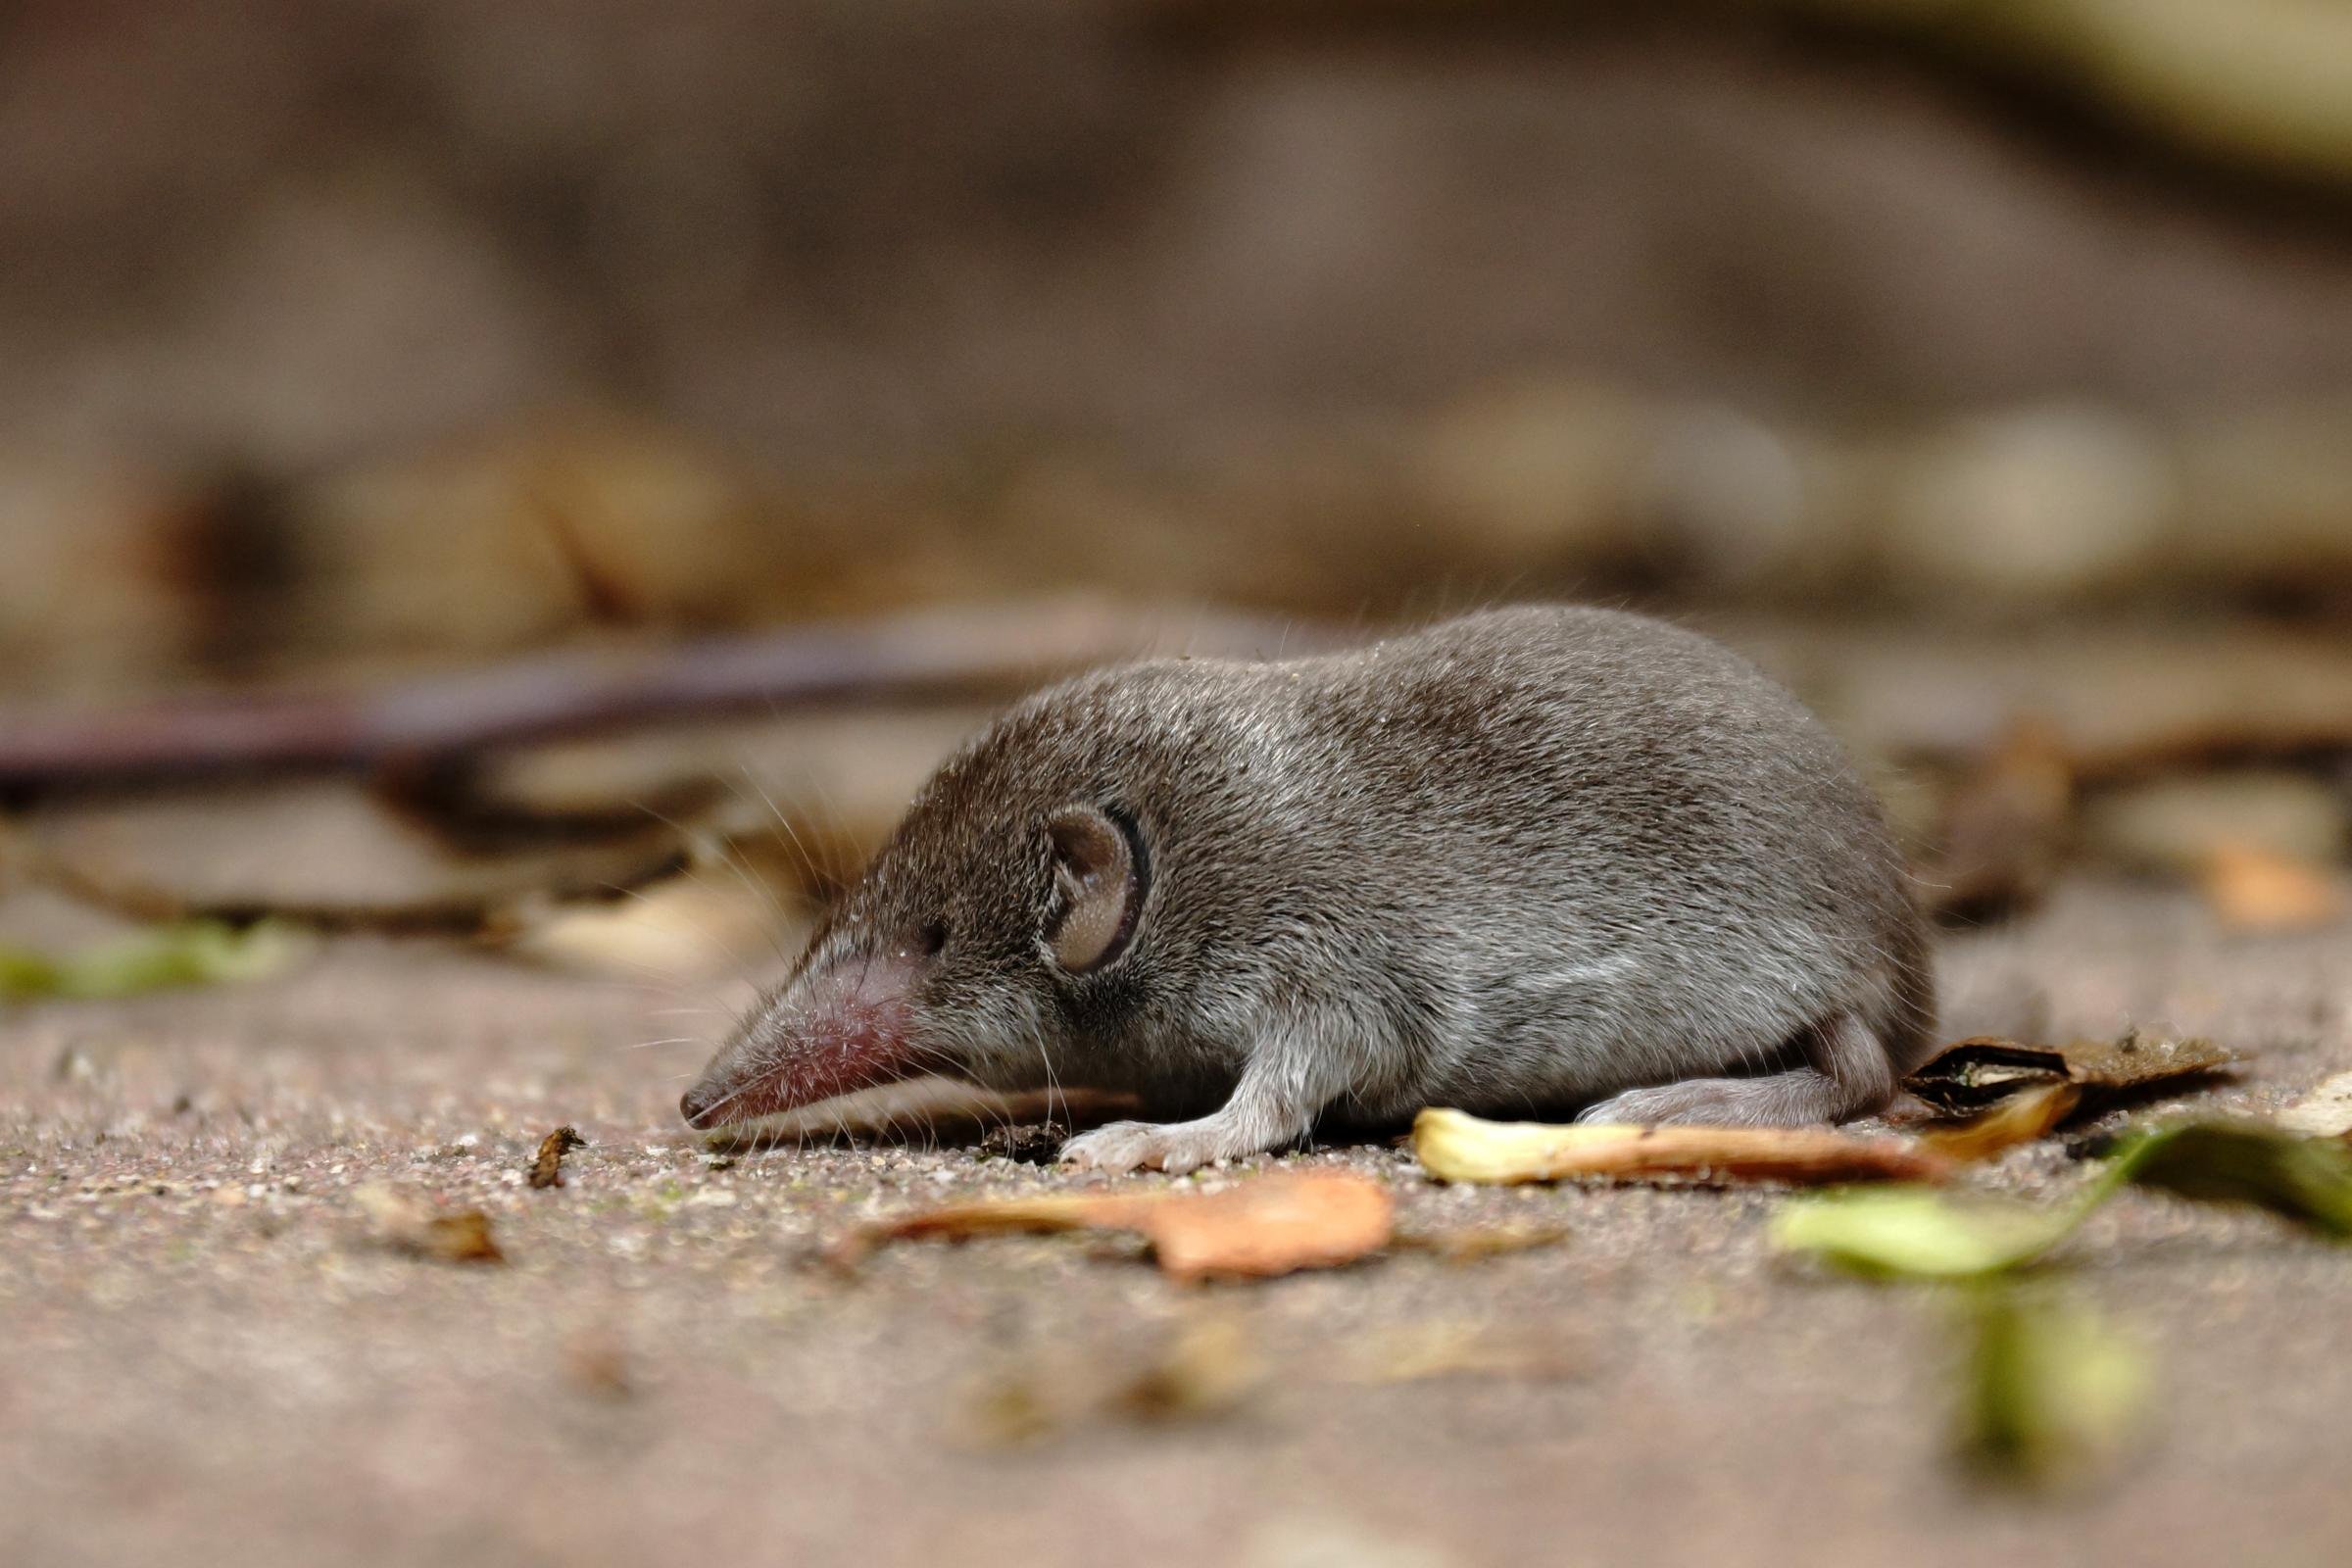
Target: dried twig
pixel 922 653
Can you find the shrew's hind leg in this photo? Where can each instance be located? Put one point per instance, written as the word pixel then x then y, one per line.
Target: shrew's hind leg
pixel 1846 1074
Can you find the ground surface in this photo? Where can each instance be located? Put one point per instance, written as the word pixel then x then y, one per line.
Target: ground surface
pixel 206 1359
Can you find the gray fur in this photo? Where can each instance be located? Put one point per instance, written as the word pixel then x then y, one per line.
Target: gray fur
pixel 1517 863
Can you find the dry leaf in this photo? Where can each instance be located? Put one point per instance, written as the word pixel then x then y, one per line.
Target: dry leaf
pixel 2325 1112
pixel 462 1237
pixel 2254 888
pixel 1273 1225
pixel 2020 1118
pixel 406 1225
pixel 1971 1074
pixel 547 1168
pixel 1979 1071
pixel 1455 1147
pixel 2134 1060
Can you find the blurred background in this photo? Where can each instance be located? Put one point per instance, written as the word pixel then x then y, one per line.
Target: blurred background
pixel 1984 369
pixel 552 480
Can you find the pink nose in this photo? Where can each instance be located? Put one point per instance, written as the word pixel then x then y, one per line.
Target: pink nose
pixel 833 1031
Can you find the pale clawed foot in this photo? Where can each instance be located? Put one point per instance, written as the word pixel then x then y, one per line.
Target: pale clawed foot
pixel 1173 1147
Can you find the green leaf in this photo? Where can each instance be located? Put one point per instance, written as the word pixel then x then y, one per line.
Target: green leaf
pixel 1916 1233
pixel 191 953
pixel 2308 1180
pixel 2051 1392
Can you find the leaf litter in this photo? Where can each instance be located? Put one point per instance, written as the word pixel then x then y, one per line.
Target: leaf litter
pixel 1269 1226
pixel 2051 1394
pixel 2020 1118
pixel 406 1225
pixel 1913 1233
pixel 188 953
pixel 1910 1232
pixel 547 1167
pixel 1455 1147
pixel 1977 1073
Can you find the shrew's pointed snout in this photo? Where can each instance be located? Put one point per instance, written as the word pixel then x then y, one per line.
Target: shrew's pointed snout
pixel 834 1030
pixel 701 1106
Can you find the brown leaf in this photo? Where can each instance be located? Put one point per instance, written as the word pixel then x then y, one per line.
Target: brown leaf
pixel 2254 888
pixel 1273 1225
pixel 1971 1074
pixel 2020 1118
pixel 547 1168
pixel 2134 1060
pixel 406 1225
pixel 462 1237
pixel 1455 1147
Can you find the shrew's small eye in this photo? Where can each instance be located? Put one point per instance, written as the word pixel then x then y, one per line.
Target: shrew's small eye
pixel 932 939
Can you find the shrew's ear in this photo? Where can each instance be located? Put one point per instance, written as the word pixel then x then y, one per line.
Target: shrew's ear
pixel 1098 886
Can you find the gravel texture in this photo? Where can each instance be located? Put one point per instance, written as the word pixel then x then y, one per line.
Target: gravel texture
pixel 209 1354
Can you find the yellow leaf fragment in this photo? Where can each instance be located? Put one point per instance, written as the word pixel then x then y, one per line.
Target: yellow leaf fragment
pixel 2021 1118
pixel 1457 1147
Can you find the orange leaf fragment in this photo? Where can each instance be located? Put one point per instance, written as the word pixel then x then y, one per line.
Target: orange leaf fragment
pixel 1274 1225
pixel 2254 888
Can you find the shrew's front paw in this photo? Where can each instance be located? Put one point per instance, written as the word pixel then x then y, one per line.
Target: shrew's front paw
pixel 1173 1147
